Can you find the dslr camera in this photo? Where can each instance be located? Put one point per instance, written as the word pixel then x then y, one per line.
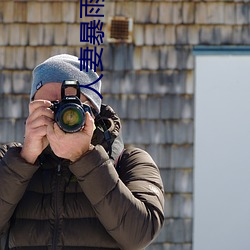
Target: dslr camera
pixel 70 112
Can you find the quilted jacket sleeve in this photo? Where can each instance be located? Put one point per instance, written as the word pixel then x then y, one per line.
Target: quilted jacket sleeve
pixel 129 200
pixel 15 174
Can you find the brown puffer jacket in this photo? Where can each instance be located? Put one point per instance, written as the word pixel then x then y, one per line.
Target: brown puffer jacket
pixel 94 203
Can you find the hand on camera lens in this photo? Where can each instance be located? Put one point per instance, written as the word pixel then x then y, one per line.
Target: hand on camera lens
pixel 71 146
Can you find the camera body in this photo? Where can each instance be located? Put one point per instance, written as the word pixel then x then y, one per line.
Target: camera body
pixel 70 112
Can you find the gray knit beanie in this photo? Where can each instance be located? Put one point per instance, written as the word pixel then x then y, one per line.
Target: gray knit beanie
pixel 66 67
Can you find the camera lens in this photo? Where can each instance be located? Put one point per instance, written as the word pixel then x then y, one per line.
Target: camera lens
pixel 70 117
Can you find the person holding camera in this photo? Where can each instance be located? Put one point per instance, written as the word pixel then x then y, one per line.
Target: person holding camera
pixel 72 184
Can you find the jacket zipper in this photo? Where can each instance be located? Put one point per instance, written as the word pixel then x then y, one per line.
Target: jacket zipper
pixel 56 232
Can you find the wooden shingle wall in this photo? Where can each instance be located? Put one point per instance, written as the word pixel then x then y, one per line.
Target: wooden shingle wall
pixel 150 82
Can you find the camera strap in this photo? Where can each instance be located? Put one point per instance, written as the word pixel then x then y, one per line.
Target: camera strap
pixel 106 133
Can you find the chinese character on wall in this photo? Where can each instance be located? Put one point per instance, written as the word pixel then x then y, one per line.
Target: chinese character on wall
pixel 91 32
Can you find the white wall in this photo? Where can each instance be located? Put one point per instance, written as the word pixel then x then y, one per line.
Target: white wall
pixel 222 153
